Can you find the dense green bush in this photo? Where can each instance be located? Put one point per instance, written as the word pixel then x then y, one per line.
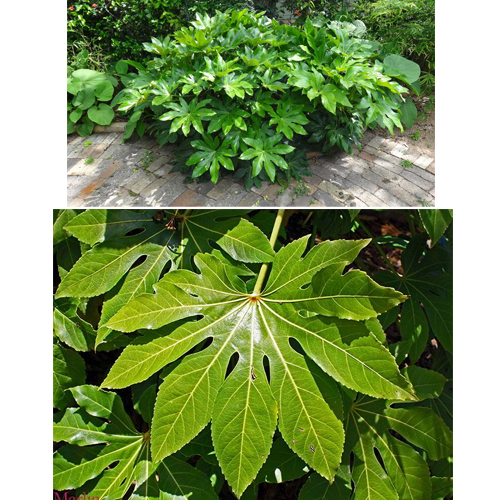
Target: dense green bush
pixel 246 91
pixel 405 27
pixel 119 28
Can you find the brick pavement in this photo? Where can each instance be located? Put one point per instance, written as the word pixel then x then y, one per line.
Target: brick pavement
pixel 103 171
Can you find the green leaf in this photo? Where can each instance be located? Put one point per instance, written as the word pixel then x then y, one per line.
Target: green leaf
pixel 196 390
pixel 402 472
pixel 68 370
pixel 70 328
pixel 426 281
pixel 102 115
pixel 266 153
pixel 176 479
pixel 409 113
pixel 436 222
pixel 211 156
pixel 74 466
pixel 317 488
pixel 427 383
pixel 398 66
pixel 441 487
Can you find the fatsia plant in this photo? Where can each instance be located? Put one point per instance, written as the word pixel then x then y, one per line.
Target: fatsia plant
pixel 244 407
pixel 240 79
pixel 250 358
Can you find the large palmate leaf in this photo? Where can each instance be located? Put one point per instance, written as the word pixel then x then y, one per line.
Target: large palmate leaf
pixel 425 279
pixel 184 115
pixel 100 433
pixel 402 472
pixel 266 152
pixel 121 237
pixel 308 299
pixel 210 157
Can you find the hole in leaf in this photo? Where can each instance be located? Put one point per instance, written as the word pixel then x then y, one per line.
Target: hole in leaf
pixel 379 458
pixel 267 369
pixel 136 231
pixel 233 361
pixel 139 261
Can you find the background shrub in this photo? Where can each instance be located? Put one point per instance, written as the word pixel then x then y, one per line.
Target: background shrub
pixel 405 27
pixel 118 28
pixel 103 31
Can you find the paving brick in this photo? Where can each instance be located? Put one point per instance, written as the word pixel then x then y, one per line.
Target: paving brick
pixel 407 198
pixel 284 199
pixel 99 150
pixel 367 137
pixel 416 191
pixel 334 190
pixel 152 188
pixel 355 202
pixel 234 195
pixel 388 166
pixel 388 145
pixel 317 204
pixel 423 161
pixel 432 168
pixel 417 180
pixel 71 162
pixel 168 192
pixel 186 199
pixel 249 200
pixel 433 192
pixel 202 187
pixel 371 150
pixel 388 199
pixel 326 199
pixel 109 171
pixel 329 171
pixel 264 185
pixel 376 142
pixel 219 189
pixel 302 201
pixel 400 150
pixel 379 180
pixel 362 182
pixel 425 174
pixel 139 181
pixel 313 179
pixel 367 156
pixel 272 192
pixel 371 200
pixel 85 192
pixel 157 163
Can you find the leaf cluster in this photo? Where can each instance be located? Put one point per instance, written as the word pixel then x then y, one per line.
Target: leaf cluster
pixel 260 357
pixel 88 93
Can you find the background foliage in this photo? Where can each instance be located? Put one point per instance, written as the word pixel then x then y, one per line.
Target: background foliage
pixel 104 260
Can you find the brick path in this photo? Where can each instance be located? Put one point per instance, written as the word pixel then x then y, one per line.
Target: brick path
pixel 387 173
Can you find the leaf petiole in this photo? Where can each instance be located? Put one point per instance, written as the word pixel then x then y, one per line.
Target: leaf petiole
pixel 274 236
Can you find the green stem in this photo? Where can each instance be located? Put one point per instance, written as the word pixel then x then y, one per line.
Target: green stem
pixel 377 246
pixel 274 236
